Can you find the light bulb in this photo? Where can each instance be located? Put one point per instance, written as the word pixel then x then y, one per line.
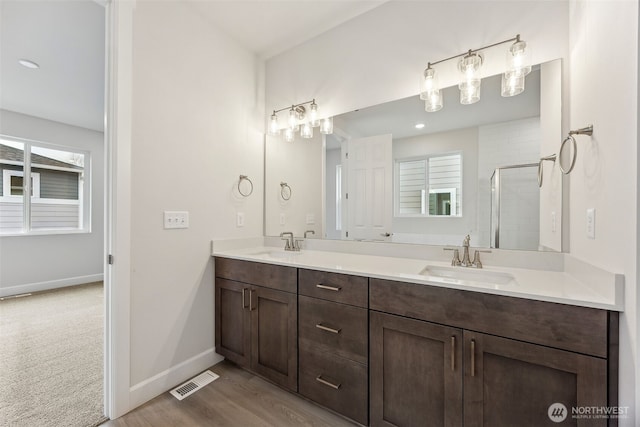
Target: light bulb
pixel 469 85
pixel 307 130
pixel 313 114
pixel 289 135
pixel 519 57
pixel 274 129
pixel 293 118
pixel 326 126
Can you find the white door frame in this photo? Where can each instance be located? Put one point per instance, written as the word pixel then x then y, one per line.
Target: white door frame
pixel 117 276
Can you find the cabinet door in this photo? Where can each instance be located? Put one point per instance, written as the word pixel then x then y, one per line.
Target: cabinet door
pixel 509 383
pixel 233 325
pixel 274 347
pixel 416 372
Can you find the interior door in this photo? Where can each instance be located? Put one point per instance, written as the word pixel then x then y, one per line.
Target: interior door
pixel 369 188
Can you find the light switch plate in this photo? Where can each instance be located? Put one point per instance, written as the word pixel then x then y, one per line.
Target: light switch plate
pixel 553 222
pixel 240 219
pixel 282 219
pixel 591 223
pixel 176 219
pixel 311 219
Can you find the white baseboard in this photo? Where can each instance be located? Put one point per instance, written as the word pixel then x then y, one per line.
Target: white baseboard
pixel 148 389
pixel 52 284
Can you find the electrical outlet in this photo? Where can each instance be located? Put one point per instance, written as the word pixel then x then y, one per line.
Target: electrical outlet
pixel 176 219
pixel 553 222
pixel 240 219
pixel 282 219
pixel 311 219
pixel 591 223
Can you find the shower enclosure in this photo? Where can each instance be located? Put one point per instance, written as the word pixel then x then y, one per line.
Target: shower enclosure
pixel 515 207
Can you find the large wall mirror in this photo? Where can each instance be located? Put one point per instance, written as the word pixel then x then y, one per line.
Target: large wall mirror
pixel 396 173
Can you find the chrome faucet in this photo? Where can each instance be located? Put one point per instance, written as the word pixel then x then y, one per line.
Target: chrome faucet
pixel 309 231
pixel 466 261
pixel 289 244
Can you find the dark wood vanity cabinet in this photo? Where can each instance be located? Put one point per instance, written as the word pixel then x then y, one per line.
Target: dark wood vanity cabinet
pixel 334 341
pixel 256 318
pixel 425 373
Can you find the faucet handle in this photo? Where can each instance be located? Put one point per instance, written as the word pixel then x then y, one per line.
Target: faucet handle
pixel 296 245
pixel 476 258
pixel 455 261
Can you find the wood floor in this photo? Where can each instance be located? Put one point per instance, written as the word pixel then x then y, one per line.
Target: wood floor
pixel 237 398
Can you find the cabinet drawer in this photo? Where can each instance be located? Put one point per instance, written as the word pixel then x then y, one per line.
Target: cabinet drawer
pixel 334 382
pixel 337 328
pixel 267 275
pixel 573 328
pixel 336 287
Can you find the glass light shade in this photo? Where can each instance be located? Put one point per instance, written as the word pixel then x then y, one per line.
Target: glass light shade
pixel 292 123
pixel 429 84
pixel 519 58
pixel 289 135
pixel 512 83
pixel 307 130
pixel 433 102
pixel 469 85
pixel 274 129
pixel 469 94
pixel 326 126
pixel 313 114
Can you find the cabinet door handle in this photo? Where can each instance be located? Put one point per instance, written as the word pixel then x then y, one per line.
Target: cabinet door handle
pixel 453 352
pixel 328 329
pixel 327 383
pixel 327 287
pixel 244 298
pixel 251 307
pixel 473 358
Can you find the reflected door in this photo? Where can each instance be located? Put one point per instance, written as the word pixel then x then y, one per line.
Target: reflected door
pixel 369 188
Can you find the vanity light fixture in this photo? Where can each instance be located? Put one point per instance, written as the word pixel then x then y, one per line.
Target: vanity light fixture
pixel 300 119
pixel 469 65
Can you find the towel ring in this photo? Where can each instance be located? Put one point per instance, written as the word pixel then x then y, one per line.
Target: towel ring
pixel 284 193
pixel 583 131
pixel 540 171
pixel 245 178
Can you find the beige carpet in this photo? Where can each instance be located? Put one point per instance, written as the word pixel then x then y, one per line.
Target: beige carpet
pixel 51 358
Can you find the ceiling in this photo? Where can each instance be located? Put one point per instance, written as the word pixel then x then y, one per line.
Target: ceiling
pixel 66 38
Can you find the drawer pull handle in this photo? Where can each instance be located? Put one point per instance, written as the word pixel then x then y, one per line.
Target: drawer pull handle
pixel 251 307
pixel 473 358
pixel 328 329
pixel 244 298
pixel 327 287
pixel 453 352
pixel 327 383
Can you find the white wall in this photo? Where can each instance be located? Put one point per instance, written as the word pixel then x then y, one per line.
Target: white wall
pixel 379 56
pixel 604 87
pixel 197 116
pixel 35 263
pixel 444 230
pixel 299 164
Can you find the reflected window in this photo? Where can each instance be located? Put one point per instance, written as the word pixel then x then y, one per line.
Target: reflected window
pixel 429 186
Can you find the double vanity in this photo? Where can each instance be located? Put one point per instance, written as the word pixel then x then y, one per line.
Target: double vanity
pixel 397 341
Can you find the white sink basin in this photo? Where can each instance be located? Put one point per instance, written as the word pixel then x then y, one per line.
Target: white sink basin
pixel 468 276
pixel 277 253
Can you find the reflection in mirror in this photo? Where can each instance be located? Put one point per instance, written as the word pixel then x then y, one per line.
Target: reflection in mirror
pixel 395 173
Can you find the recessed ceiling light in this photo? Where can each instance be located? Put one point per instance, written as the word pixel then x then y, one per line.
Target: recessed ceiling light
pixel 27 63
pixel 419 125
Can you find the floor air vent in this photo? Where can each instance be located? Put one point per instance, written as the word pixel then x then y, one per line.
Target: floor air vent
pixel 194 385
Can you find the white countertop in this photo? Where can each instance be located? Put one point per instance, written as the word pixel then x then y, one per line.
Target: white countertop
pixel 564 287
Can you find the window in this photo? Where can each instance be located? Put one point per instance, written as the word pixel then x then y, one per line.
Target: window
pixel 44 188
pixel 429 186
